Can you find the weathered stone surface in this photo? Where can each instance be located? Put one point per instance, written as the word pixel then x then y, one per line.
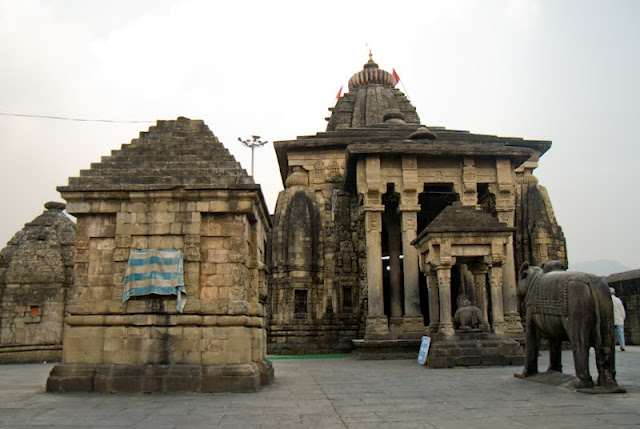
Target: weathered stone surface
pixel 357 196
pixel 474 350
pixel 538 237
pixel 173 378
pixel 178 152
pixel 35 269
pixel 176 187
pixel 564 305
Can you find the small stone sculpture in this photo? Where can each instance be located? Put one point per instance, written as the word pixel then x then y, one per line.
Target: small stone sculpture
pixel 574 306
pixel 467 317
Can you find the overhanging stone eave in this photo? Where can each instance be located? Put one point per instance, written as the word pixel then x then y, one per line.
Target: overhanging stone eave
pixel 79 193
pixel 518 155
pixel 435 147
pixel 283 148
pixel 462 233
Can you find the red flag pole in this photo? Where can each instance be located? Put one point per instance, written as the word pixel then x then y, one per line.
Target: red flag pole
pixel 397 78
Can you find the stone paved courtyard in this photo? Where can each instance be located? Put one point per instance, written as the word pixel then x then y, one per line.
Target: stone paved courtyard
pixel 336 393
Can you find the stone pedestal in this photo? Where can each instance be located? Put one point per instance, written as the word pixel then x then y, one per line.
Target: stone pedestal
pixel 413 327
pixel 474 350
pixel 377 328
pixel 396 327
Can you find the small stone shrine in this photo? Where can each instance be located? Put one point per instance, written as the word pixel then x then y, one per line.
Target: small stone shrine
pixel 344 271
pixel 36 269
pixel 477 243
pixel 173 204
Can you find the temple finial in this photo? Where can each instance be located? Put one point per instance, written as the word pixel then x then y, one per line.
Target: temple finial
pixel 370 55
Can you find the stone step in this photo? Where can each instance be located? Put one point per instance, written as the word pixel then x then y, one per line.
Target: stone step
pixel 172 172
pixel 154 156
pixel 159 146
pixel 162 180
pixel 190 165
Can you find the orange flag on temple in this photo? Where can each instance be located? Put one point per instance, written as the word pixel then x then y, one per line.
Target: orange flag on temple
pixel 395 76
pixel 339 92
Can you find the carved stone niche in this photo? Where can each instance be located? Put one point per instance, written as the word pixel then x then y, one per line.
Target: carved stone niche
pixel 333 172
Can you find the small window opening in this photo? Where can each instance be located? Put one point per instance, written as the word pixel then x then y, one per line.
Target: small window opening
pixel 300 301
pixel 347 297
pixel 35 311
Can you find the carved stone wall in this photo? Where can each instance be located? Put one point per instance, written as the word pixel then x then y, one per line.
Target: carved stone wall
pixel 538 237
pixel 313 289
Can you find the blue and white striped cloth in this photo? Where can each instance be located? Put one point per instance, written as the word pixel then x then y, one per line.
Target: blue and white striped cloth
pixel 155 271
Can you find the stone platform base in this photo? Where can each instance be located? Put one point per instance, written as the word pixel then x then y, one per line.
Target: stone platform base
pixel 109 378
pixel 31 354
pixel 567 381
pixel 385 349
pixel 475 350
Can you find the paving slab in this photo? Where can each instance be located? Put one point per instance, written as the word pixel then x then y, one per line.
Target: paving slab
pixel 337 393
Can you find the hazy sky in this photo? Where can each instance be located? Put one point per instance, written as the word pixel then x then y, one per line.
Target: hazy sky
pixel 565 71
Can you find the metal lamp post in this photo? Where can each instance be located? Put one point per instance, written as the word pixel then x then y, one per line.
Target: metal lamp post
pixel 256 142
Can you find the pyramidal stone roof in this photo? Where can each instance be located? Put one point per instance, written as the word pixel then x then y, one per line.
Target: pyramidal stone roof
pixel 181 152
pixel 459 218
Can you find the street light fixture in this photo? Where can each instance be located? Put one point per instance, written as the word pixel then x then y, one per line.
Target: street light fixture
pixel 256 142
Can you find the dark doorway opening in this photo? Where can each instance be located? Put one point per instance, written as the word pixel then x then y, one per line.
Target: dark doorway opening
pixel 392 267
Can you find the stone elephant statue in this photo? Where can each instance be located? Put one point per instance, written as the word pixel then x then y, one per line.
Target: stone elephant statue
pixel 573 306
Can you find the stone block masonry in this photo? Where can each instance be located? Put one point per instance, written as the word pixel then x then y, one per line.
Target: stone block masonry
pixel 36 269
pixel 176 187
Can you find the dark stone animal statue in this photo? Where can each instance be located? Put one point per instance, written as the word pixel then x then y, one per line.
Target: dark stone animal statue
pixel 564 305
pixel 553 265
pixel 467 316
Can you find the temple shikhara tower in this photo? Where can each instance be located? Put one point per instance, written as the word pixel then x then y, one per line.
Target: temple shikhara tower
pixel 385 225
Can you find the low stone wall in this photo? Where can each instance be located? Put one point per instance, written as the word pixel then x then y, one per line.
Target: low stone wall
pixel 330 335
pixel 385 349
pixel 31 353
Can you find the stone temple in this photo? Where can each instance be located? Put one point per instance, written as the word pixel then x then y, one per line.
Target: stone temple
pixel 36 270
pixel 175 191
pixel 344 262
pixel 386 230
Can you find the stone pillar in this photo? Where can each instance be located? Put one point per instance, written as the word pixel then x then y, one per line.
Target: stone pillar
pixel 480 285
pixel 510 299
pixel 497 312
pixel 444 295
pixel 506 206
pixel 377 325
pixel 413 320
pixel 434 302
